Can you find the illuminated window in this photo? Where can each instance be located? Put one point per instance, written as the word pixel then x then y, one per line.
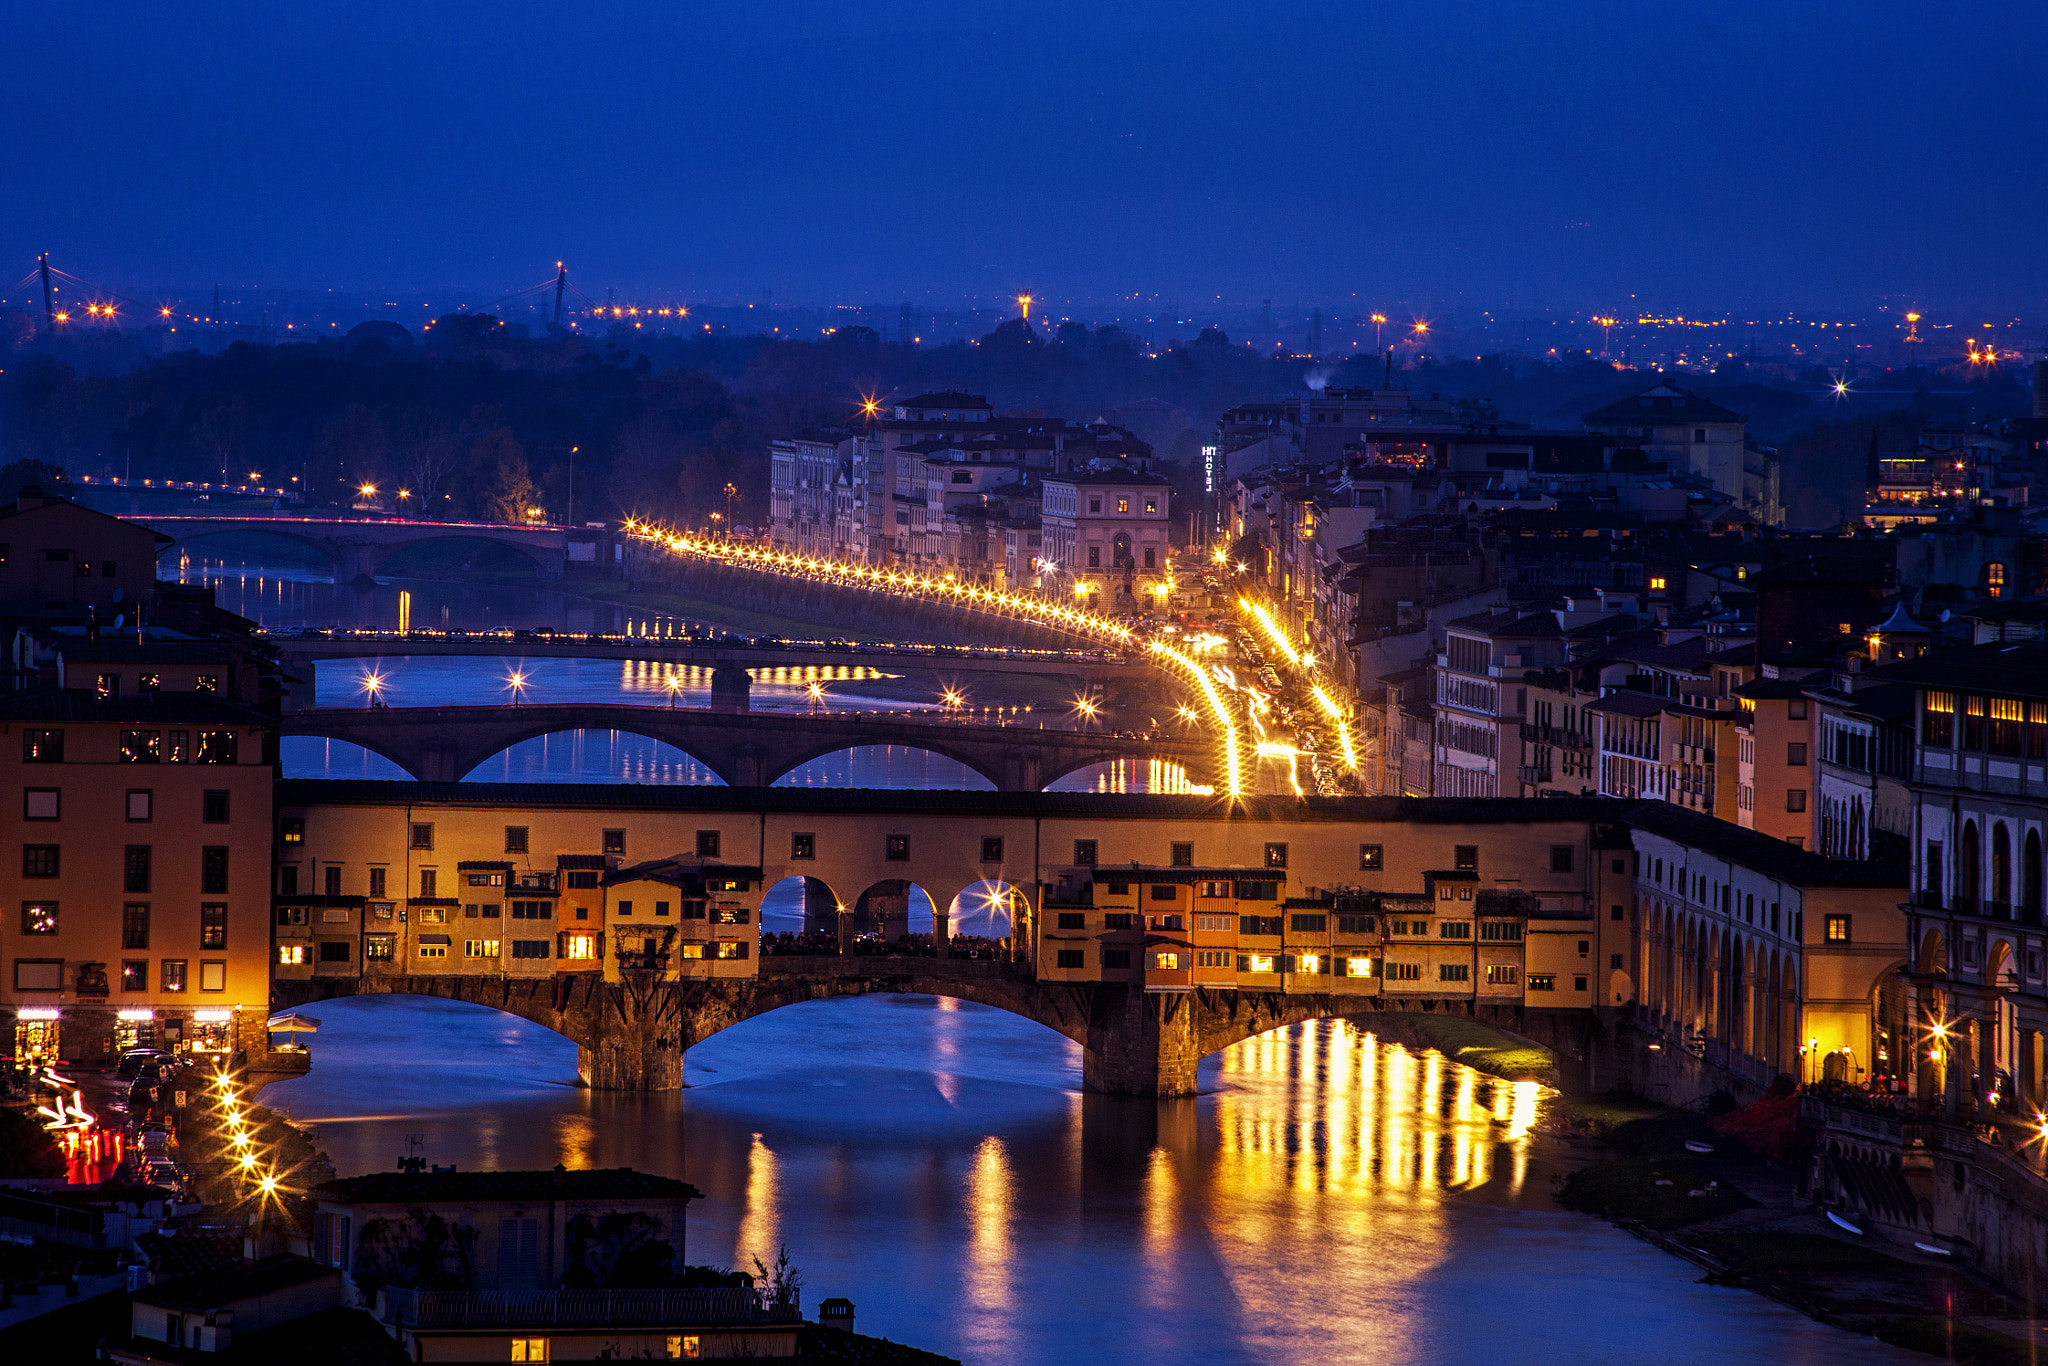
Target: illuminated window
pixel 1543 981
pixel 479 948
pixel 685 1346
pixel 1372 858
pixel 1656 583
pixel 529 1349
pixel 1358 967
pixel 1502 974
pixel 1258 962
pixel 1166 962
pixel 291 955
pixel 1311 962
pixel 1838 929
pixel 1123 505
pixel 585 946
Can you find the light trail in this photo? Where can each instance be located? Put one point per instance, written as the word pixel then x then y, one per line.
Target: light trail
pixel 1077 620
pixel 1272 630
pixel 1233 779
pixel 1342 720
pixel 1074 619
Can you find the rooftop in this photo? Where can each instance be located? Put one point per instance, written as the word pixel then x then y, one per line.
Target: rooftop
pixel 299 792
pixel 1774 857
pixel 78 705
pixel 1662 402
pixel 622 1309
pixel 607 1183
pixel 223 1286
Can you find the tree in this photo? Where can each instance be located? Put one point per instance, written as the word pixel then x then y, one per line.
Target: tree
pixel 511 486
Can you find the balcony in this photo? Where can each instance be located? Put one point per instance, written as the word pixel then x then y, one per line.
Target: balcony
pixel 1533 775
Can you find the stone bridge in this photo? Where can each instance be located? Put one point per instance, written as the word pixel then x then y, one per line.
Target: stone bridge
pixel 733 660
pixel 631 1035
pixel 357 546
pixel 745 749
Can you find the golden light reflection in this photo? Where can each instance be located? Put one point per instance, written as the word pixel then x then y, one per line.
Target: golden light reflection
pixel 759 1233
pixel 988 1215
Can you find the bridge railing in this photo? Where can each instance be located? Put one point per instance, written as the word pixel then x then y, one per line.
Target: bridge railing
pixel 693 641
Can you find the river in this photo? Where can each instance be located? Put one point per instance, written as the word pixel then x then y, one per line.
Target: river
pixel 1328 1196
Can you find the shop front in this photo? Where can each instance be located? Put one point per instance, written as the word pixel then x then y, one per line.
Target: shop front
pixel 212 1032
pixel 36 1036
pixel 134 1028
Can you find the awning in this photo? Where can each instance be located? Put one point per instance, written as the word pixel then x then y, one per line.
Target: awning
pixel 295 1024
pixel 435 939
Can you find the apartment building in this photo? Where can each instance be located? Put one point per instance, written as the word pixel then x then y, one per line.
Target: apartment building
pixel 1678 427
pixel 1107 535
pixel 143 832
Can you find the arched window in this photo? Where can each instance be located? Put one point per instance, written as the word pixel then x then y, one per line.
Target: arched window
pixel 2030 875
pixel 1969 867
pixel 2001 866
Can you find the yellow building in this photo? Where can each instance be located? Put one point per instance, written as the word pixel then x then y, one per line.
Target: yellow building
pixel 141 913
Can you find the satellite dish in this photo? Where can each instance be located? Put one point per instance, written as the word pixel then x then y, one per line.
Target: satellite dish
pixel 120 593
pixel 119 619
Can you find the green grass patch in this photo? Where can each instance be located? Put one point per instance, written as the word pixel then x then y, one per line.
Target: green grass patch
pixel 1603 1114
pixel 1628 1189
pixel 1473 1044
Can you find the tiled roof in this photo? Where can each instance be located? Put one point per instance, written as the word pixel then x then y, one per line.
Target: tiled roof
pixel 294 792
pixel 78 705
pixel 1667 404
pixel 431 1309
pixel 605 1183
pixel 128 652
pixel 2019 669
pixel 216 1288
pixel 1774 857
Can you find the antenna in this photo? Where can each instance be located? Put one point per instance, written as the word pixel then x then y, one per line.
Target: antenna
pixel 561 286
pixel 49 300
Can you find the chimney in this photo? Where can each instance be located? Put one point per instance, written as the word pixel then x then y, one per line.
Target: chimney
pixel 836 1313
pixel 31 496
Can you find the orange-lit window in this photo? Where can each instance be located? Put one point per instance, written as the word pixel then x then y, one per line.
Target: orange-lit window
pixel 579 946
pixel 1166 962
pixel 1657 583
pixel 1358 967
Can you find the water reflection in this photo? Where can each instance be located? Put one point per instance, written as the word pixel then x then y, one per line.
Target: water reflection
pixel 1329 1197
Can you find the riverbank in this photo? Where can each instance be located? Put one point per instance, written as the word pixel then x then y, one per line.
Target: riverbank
pixel 1742 1220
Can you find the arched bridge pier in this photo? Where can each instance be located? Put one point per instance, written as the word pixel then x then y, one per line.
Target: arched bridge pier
pixel 633 1034
pixel 744 749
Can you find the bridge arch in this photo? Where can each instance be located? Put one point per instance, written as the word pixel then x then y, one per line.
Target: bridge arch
pixel 987 909
pixel 184 541
pixel 799 758
pixel 813 901
pixel 366 744
pixel 664 739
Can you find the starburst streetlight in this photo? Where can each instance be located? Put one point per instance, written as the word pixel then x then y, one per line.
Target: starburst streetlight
pixel 516 681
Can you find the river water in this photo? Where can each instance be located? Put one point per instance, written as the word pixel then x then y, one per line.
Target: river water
pixel 1328 1196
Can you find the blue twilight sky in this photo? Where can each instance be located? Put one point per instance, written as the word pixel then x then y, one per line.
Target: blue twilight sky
pixel 1700 156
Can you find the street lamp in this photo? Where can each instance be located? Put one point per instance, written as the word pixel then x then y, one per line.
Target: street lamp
pixel 373 684
pixel 674 684
pixel 516 681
